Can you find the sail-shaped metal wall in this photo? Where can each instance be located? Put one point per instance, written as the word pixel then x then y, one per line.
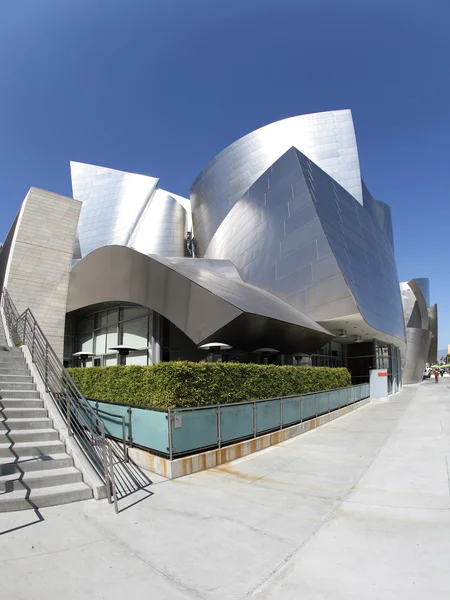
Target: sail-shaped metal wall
pixel 327 138
pixel 127 209
pixel 416 297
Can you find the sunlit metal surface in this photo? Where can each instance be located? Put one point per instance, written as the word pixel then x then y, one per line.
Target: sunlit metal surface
pixel 127 209
pixel 433 326
pixel 205 305
pixel 162 227
pixel 299 235
pixel 327 138
pixel 415 294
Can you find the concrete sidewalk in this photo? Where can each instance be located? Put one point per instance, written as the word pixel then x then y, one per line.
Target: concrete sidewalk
pixel 358 508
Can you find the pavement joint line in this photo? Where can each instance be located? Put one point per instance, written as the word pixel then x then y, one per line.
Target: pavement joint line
pixel 328 518
pixel 448 474
pixel 393 506
pixel 60 551
pixel 179 584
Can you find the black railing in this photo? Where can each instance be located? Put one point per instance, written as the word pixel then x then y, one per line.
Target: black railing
pixel 83 424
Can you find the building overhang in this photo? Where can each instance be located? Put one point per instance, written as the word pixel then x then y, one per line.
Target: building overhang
pixel 204 304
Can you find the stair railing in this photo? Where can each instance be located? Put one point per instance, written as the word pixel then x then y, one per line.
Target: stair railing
pixel 82 422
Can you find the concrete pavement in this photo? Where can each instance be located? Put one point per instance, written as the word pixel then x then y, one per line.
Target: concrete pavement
pixel 358 508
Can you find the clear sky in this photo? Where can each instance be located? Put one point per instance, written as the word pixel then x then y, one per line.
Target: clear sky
pixel 159 87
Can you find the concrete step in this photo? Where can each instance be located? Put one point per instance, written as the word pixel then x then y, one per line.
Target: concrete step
pixel 21 403
pixel 28 435
pixel 20 424
pixel 29 449
pixel 13 378
pixel 47 462
pixel 21 394
pixel 5 350
pixel 23 413
pixel 39 479
pixel 7 360
pixel 14 370
pixel 13 385
pixel 40 498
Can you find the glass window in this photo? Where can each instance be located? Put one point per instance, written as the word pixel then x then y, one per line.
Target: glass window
pixel 86 342
pixel 112 338
pixel 85 325
pixel 113 316
pixel 101 319
pixel 133 311
pixel 135 333
pixel 137 358
pixel 100 341
pixel 110 360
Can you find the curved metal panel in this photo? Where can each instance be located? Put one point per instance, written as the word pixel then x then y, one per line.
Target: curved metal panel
pixel 422 306
pixel 198 301
pixel 418 331
pixel 423 283
pixel 162 227
pixel 417 345
pixel 433 326
pixel 381 213
pixel 327 138
pixel 113 202
pixel 299 235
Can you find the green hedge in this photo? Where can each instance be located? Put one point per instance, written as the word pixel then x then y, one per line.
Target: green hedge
pixel 182 384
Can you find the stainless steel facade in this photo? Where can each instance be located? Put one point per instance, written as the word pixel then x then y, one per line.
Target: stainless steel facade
pixel 291 248
pixel 127 209
pixel 415 297
pixel 327 138
pixel 433 326
pixel 299 235
pixel 205 304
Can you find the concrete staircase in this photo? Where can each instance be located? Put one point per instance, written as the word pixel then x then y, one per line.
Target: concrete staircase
pixel 35 470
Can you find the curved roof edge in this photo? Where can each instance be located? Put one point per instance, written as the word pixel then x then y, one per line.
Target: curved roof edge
pixel 200 302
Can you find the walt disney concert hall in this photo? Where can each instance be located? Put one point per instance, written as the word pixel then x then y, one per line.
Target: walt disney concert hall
pixel 280 255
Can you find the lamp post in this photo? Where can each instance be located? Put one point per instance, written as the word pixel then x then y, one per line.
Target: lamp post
pixel 124 351
pixel 216 346
pixel 264 354
pixel 83 356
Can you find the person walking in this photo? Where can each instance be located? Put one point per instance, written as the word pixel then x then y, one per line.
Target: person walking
pixel 436 376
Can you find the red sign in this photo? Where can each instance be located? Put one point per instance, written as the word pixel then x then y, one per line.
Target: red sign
pixel 383 374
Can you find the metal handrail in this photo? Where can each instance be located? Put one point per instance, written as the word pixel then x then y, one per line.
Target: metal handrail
pixel 83 424
pixel 178 409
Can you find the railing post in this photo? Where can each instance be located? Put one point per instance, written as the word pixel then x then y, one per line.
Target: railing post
pixel 219 426
pixel 301 410
pixel 24 341
pixel 105 463
pixel 130 427
pixel 46 367
pixel 254 419
pixel 68 414
pixel 317 404
pixel 329 403
pixel 339 399
pixel 32 342
pixel 169 420
pixel 113 480
pixel 281 413
pixel 124 439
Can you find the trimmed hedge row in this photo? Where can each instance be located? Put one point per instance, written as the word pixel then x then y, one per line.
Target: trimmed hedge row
pixel 183 384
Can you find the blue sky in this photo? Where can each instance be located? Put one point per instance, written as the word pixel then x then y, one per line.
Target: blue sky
pixel 161 86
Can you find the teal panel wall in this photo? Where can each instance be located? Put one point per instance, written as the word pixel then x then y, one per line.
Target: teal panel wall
pixel 236 422
pixel 197 429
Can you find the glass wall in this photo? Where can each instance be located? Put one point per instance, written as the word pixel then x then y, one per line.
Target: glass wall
pixel 388 357
pixel 332 354
pixel 100 331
